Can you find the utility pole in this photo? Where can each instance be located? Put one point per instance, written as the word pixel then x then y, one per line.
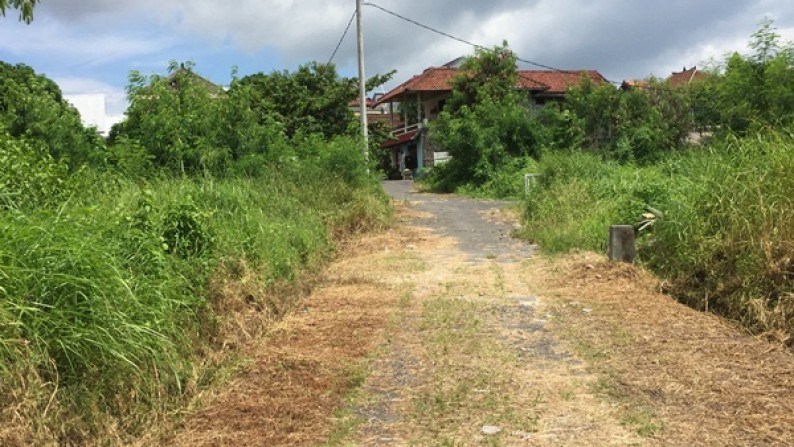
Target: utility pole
pixel 362 82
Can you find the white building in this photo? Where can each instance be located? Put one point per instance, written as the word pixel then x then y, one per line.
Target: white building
pixel 93 111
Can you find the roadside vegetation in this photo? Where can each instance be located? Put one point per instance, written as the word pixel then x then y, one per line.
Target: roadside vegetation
pixel 129 270
pixel 703 172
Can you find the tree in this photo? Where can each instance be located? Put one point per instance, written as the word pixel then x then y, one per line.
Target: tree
pixel 485 123
pixel 32 107
pixel 489 74
pixel 179 119
pixel 313 99
pixel 755 90
pixel 25 8
pixel 636 125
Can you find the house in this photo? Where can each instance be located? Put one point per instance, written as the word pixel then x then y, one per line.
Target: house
pixel 677 79
pixel 376 112
pixel 421 99
pixel 686 77
pixel 634 84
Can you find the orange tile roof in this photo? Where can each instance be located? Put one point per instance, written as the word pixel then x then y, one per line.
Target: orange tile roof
pixel 437 79
pixel 559 81
pixel 635 84
pixel 686 77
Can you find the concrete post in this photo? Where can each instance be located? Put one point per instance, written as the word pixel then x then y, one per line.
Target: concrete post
pixel 621 243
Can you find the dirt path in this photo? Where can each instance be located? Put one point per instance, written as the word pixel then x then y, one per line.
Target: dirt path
pixel 446 332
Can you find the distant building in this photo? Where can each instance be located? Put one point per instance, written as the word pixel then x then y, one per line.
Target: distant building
pixel 93 111
pixel 686 77
pixel 428 92
pixel 677 79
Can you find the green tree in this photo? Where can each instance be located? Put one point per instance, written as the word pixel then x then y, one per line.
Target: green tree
pixel 25 8
pixel 485 123
pixel 32 107
pixel 636 125
pixel 179 119
pixel 752 91
pixel 489 74
pixel 313 99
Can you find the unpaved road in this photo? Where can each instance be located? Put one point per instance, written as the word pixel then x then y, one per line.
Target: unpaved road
pixel 444 331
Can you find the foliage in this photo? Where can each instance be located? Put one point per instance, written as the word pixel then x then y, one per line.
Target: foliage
pixel 751 92
pixel 106 297
pixel 186 124
pixel 29 177
pixel 32 107
pixel 725 241
pixel 636 125
pixel 25 8
pixel 179 119
pixel 311 100
pixel 109 295
pixel 489 74
pixel 484 123
pixel 579 196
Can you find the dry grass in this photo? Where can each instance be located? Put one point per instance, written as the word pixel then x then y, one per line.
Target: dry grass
pixel 687 377
pixel 431 347
pixel 298 375
pixel 460 356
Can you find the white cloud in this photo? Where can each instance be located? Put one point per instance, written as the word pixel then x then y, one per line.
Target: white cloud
pixel 620 38
pixel 116 98
pixel 57 40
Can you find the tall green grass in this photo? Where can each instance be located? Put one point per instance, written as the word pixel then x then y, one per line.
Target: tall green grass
pixel 106 310
pixel 726 241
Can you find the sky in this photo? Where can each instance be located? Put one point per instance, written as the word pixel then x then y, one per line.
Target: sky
pixel 90 46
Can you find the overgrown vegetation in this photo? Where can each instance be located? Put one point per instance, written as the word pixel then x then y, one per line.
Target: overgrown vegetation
pixel 484 124
pixel 122 267
pixel 710 162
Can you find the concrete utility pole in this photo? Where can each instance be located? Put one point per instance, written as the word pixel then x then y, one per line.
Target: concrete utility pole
pixel 362 81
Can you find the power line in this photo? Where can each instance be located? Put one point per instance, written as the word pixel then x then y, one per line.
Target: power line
pixel 472 44
pixel 349 23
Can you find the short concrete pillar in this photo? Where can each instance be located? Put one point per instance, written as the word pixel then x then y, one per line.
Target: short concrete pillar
pixel 530 181
pixel 621 243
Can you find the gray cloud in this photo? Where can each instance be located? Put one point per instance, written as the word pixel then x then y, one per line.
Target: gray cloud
pixel 620 38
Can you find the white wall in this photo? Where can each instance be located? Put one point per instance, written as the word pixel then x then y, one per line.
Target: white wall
pixel 92 110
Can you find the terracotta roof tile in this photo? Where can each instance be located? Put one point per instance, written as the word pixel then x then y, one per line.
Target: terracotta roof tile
pixel 559 81
pixel 437 79
pixel 686 77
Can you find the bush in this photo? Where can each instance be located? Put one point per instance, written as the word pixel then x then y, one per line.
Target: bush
pixel 580 196
pixel 106 300
pixel 725 241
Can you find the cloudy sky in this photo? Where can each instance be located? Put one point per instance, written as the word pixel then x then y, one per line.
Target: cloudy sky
pixel 89 46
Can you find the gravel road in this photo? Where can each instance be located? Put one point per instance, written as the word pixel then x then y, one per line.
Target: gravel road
pixel 466 220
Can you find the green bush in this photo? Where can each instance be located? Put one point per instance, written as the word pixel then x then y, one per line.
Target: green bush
pixel 580 196
pixel 107 296
pixel 29 177
pixel 725 241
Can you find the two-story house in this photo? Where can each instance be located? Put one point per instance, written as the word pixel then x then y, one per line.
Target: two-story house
pixel 421 98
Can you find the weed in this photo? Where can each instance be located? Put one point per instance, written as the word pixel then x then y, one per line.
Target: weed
pixel 112 298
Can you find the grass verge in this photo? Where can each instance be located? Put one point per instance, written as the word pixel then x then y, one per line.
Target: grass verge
pixel 119 304
pixel 725 242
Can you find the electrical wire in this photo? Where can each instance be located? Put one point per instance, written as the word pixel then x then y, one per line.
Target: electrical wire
pixel 472 44
pixel 349 23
